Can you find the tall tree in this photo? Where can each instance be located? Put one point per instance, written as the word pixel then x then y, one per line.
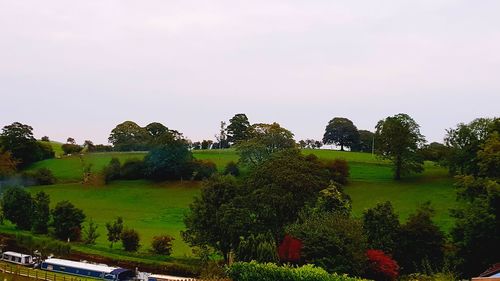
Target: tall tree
pixel 342 132
pixel 67 221
pixel 365 143
pixel 265 139
pixel 17 206
pixel 41 212
pixel 237 130
pixel 222 137
pixel 129 136
pixel 115 229
pixel 382 227
pixel 398 138
pixel 18 139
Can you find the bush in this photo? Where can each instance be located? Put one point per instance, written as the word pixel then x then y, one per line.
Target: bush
pixel 203 169
pixel 45 246
pixel 45 150
pixel 132 169
pixel 339 170
pixel 70 148
pixel 243 271
pixel 130 240
pixel 162 244
pixel 67 220
pixel 17 206
pixel 232 169
pixel 260 248
pixel 41 176
pixel 381 267
pixel 289 250
pixel 112 171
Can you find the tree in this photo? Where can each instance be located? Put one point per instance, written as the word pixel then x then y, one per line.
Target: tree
pixel 45 138
pixel 365 143
pixel 71 140
pixel 128 136
pixel 382 227
pixel 465 141
pixel 115 229
pixel 238 127
pixel 130 240
pixel 339 170
pixel 71 148
pixel 204 221
pixel 170 161
pixel 18 139
pixel 7 164
pixel 206 144
pixel 489 157
pixel 90 233
pixel 434 151
pixel 41 212
pixel 17 206
pixel 398 138
pixel 162 245
pixel 423 239
pixel 89 145
pixel 265 139
pixel 221 137
pixel 156 129
pixel 331 241
pixel 67 221
pixel 477 228
pixel 342 132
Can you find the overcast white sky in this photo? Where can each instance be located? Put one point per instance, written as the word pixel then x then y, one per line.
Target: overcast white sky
pixel 78 68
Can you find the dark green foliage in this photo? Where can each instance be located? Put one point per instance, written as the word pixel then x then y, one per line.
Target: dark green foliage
pixel 205 223
pixel 421 242
pixel 132 169
pixel 465 141
pixel 232 169
pixel 90 233
pixel 130 240
pixel 382 227
pixel 398 138
pixel 203 169
pixel 339 170
pixel 489 157
pixel 283 185
pixel 252 271
pixel 260 248
pixel 45 139
pixel 17 206
pixel 162 245
pixel 112 171
pixel 238 128
pixel 67 221
pixel 41 212
pixel 71 148
pixel 128 136
pixel 41 176
pixel 171 161
pixel 18 139
pixel 477 226
pixel 331 241
pixel 365 143
pixel 342 132
pixel 115 230
pixel 45 246
pixel 264 140
pixel 434 151
pixel 206 144
pixel 45 150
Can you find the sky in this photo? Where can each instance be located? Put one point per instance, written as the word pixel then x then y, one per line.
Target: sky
pixel 79 68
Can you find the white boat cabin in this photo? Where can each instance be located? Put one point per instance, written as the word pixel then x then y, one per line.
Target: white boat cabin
pixel 17 258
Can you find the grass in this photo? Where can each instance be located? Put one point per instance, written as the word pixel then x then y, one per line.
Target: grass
pixel 158 208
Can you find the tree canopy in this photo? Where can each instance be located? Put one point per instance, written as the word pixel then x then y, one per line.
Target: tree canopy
pixel 398 139
pixel 342 132
pixel 238 128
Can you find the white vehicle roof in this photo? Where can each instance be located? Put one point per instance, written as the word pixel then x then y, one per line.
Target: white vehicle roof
pixel 82 265
pixel 15 254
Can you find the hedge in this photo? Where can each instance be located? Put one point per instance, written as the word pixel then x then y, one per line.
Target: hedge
pixel 251 271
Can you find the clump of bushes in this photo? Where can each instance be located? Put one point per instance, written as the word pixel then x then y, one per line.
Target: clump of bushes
pixel 45 246
pixel 41 176
pixel 251 271
pixel 132 169
pixel 70 148
pixel 338 169
pixel 232 169
pixel 203 169
pixel 162 244
pixel 130 240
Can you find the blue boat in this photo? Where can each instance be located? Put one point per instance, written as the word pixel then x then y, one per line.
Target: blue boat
pixel 98 271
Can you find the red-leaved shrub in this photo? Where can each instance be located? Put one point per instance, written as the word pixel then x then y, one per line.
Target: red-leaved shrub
pixel 289 250
pixel 381 267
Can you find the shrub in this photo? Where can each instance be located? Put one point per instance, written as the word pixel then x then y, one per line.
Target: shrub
pixel 289 250
pixel 251 271
pixel 70 148
pixel 381 267
pixel 45 150
pixel 41 176
pixel 112 171
pixel 339 170
pixel 67 220
pixel 162 244
pixel 203 169
pixel 260 248
pixel 45 246
pixel 130 240
pixel 132 169
pixel 232 169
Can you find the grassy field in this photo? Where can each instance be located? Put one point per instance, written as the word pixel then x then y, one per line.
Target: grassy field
pixel 157 208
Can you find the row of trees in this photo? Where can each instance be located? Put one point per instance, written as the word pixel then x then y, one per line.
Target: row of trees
pixel 128 136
